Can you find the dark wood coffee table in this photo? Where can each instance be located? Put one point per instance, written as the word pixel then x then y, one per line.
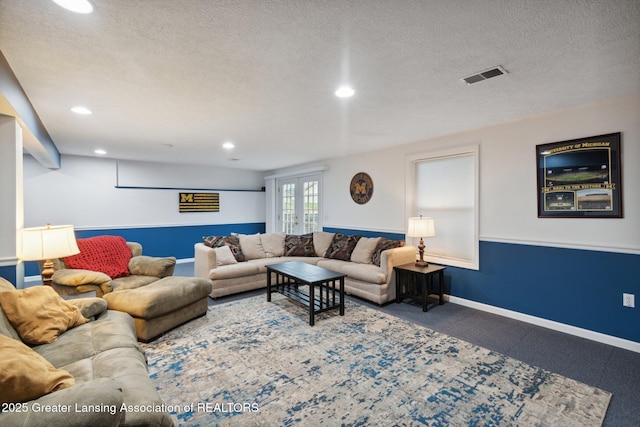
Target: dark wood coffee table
pixel 325 287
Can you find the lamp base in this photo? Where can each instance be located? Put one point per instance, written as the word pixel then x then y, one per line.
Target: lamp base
pixel 421 262
pixel 47 272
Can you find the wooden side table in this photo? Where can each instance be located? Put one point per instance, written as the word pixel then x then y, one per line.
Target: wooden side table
pixel 416 283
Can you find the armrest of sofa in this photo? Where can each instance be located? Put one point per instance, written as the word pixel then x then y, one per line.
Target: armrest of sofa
pixel 75 277
pixel 89 307
pixel 102 396
pixel 204 260
pixel 397 256
pixel 74 281
pixel 143 265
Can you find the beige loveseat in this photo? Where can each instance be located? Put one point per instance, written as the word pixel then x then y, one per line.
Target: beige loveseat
pixel 94 374
pixel 238 263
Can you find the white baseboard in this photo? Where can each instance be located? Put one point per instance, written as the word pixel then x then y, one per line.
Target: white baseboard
pixel 550 324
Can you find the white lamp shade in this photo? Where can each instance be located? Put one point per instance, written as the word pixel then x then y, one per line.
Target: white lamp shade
pixel 42 243
pixel 421 227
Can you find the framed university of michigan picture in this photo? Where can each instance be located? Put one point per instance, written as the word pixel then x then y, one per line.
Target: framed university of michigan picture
pixel 580 178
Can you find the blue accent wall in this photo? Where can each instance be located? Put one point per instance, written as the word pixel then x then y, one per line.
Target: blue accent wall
pixel 174 241
pixel 364 233
pixel 576 287
pixel 9 272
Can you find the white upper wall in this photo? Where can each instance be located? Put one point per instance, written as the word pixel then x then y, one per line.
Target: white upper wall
pixel 508 193
pixel 83 193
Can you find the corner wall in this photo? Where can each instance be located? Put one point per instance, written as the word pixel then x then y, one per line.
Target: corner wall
pixel 83 193
pixel 571 271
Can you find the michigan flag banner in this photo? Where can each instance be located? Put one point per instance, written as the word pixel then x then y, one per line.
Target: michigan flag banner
pixel 199 202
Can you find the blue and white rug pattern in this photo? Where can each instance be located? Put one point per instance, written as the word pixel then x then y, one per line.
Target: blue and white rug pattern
pixel 253 363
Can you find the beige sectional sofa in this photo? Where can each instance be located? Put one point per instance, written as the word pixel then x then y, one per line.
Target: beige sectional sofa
pixel 238 263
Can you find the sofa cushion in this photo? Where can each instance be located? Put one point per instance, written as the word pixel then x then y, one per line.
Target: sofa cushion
pixel 363 252
pixel 369 273
pixel 342 246
pixel 131 282
pixel 301 245
pixel 111 329
pixel 213 241
pixel 108 254
pixel 240 269
pixel 333 264
pixel 25 375
pixel 273 244
pixel 39 314
pixel 251 245
pixel 383 245
pixel 6 328
pixel 233 242
pixel 224 256
pixel 89 307
pixel 152 266
pixel 263 263
pixel 361 272
pixel 321 241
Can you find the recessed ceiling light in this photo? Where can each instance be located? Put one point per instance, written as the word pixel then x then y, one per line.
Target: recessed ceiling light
pixel 345 92
pixel 228 145
pixel 100 152
pixel 81 110
pixel 77 6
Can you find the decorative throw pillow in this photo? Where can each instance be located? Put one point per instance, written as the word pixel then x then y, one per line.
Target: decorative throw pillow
pixel 321 241
pixel 252 246
pixel 383 245
pixel 301 245
pixel 38 314
pixel 363 252
pixel 224 256
pixel 233 242
pixel 342 246
pixel 25 375
pixel 273 244
pixel 107 254
pixel 213 241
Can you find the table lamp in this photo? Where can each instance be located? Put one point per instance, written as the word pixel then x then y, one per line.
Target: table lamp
pixel 47 243
pixel 421 227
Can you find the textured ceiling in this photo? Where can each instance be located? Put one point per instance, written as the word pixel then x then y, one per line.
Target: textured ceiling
pixel 171 80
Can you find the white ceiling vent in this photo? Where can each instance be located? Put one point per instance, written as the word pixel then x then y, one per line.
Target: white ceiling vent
pixel 484 75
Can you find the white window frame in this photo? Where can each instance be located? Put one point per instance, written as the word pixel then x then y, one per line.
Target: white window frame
pixel 411 208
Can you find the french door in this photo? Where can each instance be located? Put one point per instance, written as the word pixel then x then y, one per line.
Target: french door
pixel 299 204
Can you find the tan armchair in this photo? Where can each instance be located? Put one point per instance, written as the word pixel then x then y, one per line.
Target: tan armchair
pixel 143 269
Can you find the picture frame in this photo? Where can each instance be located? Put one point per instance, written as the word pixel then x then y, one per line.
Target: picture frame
pixel 580 178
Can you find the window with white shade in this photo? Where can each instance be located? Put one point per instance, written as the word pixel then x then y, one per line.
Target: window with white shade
pixel 444 186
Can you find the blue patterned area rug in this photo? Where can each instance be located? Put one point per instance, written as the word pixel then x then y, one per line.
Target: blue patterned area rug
pixel 253 363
